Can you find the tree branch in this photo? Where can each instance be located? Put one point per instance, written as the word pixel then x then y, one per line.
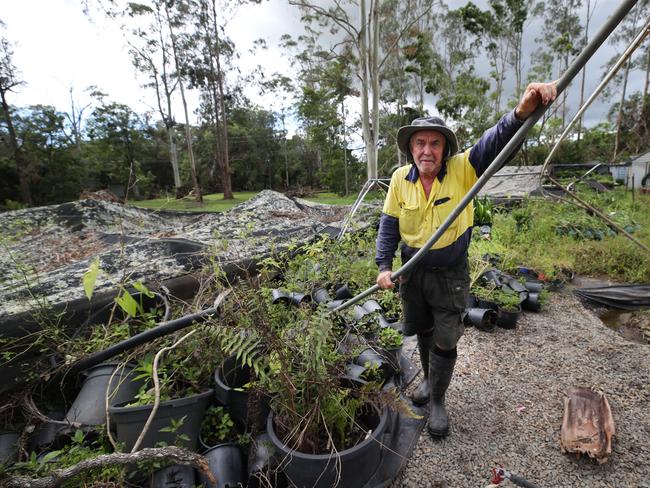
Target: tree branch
pixel 344 23
pixel 401 33
pixel 55 479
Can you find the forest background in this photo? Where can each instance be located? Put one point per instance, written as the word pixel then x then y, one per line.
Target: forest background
pixel 352 85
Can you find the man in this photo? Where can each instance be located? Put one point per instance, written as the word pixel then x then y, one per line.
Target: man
pixel 420 197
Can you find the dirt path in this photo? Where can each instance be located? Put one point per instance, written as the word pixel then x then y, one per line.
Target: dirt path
pixel 506 404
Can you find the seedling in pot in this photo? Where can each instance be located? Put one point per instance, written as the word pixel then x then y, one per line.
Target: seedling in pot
pixel 390 338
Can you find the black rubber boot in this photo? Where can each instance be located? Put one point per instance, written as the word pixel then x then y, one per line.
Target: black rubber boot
pixel 440 371
pixel 422 393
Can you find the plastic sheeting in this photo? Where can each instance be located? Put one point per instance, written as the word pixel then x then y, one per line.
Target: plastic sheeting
pixel 626 297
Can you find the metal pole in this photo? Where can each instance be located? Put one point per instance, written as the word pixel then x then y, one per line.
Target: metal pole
pixel 514 143
pixel 643 33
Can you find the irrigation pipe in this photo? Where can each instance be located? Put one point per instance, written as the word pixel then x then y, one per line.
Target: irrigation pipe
pixel 510 148
pixel 160 330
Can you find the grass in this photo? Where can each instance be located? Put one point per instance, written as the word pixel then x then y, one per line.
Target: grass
pixel 336 199
pixel 557 238
pixel 215 202
pixel 211 203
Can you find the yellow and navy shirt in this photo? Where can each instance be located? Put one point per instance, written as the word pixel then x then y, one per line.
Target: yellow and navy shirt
pixel 412 218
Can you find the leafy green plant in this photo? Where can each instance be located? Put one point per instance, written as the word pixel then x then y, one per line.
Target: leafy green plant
pixel 483 210
pixel 390 338
pixel 372 373
pixel 81 447
pixel 217 426
pixel 174 427
pixel 390 303
pixel 507 301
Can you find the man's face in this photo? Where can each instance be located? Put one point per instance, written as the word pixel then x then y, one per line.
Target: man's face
pixel 428 149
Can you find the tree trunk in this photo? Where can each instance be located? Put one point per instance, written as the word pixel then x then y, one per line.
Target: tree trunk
pixel 188 130
pixel 644 105
pixel 225 161
pixel 584 71
pixel 367 128
pixel 21 164
pixel 619 117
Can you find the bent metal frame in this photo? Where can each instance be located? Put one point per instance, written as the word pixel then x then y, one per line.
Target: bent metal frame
pixel 381 183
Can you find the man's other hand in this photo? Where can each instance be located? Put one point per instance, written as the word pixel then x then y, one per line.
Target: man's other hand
pixel 384 281
pixel 535 94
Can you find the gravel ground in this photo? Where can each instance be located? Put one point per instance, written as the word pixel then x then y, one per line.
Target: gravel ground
pixel 499 373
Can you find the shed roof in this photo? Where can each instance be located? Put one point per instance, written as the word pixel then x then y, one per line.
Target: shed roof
pixel 513 182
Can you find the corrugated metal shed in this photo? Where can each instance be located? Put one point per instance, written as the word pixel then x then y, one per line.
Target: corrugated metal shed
pixel 513 182
pixel 639 167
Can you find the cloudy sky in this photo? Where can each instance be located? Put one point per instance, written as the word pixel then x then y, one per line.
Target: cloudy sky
pixel 58 48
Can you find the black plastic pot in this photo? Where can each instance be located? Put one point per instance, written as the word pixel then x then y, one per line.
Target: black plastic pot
pixel 342 292
pixel 486 304
pixel 229 378
pixel 45 434
pixel 534 286
pixel 372 306
pixel 484 319
pixel 227 463
pixel 359 312
pixel 507 319
pixel 370 358
pixel 349 468
pixel 293 298
pixel 129 421
pixel 392 356
pixel 89 407
pixel 262 465
pixel 321 296
pixel 532 303
pixel 354 372
pixel 173 477
pixel 8 447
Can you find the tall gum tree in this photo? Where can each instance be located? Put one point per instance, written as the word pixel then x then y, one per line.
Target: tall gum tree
pixel 361 24
pixel 207 71
pixel 150 53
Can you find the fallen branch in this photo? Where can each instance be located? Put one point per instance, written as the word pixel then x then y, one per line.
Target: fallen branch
pixel 176 455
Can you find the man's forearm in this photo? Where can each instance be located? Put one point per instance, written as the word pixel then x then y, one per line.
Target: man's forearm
pixel 493 141
pixel 387 240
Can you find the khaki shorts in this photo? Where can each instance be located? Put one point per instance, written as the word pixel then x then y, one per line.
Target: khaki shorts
pixel 433 299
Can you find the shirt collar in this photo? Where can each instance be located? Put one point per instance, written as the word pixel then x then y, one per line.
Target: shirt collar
pixel 414 174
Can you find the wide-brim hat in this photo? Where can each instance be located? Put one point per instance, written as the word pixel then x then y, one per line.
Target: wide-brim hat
pixel 426 123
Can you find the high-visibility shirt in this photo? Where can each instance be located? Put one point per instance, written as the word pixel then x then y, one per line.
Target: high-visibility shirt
pixel 408 215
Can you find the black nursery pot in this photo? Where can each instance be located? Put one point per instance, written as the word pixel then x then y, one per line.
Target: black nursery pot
pixel 392 356
pixel 8 447
pixel 349 468
pixel 129 421
pixel 484 319
pixel 229 378
pixel 507 319
pixel 532 303
pixel 174 476
pixel 372 357
pixel 226 462
pixel 89 407
pixel 486 304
